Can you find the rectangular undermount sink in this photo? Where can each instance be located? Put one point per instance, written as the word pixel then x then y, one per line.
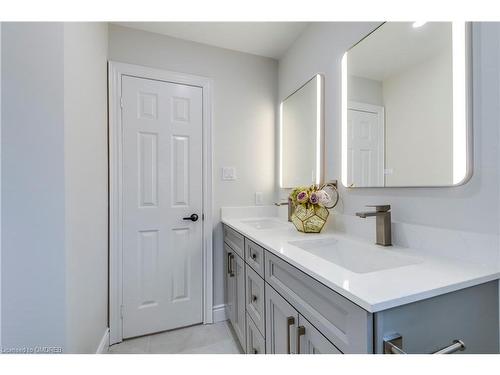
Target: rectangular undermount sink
pixel 356 256
pixel 264 223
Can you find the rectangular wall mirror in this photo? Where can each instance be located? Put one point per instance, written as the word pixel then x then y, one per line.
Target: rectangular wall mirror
pixel 405 106
pixel 301 136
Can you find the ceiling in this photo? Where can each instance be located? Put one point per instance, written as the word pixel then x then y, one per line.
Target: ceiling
pixel 269 39
pixel 395 46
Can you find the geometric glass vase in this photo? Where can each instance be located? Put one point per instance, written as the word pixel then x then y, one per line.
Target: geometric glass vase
pixel 310 219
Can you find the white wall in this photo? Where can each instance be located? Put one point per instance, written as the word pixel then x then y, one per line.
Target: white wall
pixel 86 184
pixel 419 123
pixel 54 173
pixel 365 90
pixel 33 213
pixel 472 207
pixel 245 101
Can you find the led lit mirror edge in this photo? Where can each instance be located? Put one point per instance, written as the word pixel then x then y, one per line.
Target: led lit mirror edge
pixel 469 162
pixel 320 139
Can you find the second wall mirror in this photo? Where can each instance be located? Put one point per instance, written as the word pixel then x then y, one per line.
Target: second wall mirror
pixel 405 106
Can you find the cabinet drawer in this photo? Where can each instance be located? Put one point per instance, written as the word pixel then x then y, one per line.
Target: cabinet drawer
pixel 255 300
pixel 255 341
pixel 235 240
pixel 345 324
pixel 254 256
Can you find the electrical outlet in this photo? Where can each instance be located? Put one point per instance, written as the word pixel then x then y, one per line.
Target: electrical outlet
pixel 259 198
pixel 228 173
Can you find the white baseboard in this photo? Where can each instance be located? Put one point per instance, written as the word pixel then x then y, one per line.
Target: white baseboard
pixel 219 313
pixel 104 344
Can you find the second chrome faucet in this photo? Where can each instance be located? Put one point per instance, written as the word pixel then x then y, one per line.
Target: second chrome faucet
pixel 383 223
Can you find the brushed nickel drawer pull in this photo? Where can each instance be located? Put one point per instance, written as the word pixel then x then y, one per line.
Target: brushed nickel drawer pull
pixel 301 331
pixel 393 344
pixel 290 321
pixel 230 262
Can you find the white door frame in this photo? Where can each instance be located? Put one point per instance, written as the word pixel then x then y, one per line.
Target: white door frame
pixel 115 72
pixel 380 111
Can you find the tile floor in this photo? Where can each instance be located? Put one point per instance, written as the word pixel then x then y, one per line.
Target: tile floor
pixel 200 339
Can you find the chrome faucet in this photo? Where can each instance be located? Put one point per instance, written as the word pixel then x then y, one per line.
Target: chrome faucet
pixel 290 207
pixel 383 223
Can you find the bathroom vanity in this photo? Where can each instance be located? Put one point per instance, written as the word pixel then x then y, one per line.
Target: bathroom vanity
pixel 288 292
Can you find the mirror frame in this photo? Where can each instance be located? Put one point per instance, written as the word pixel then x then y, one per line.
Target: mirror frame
pixel 467 112
pixel 320 126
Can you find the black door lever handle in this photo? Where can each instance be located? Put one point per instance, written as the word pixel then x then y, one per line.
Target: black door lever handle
pixel 193 217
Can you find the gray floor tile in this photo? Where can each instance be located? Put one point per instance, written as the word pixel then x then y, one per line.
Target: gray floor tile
pixel 139 345
pixel 207 339
pixel 227 346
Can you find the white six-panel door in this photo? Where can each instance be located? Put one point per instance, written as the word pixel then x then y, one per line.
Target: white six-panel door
pixel 162 184
pixel 365 145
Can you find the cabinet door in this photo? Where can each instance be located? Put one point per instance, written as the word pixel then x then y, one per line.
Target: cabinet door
pixel 431 324
pixel 344 323
pixel 238 318
pixel 255 341
pixel 229 284
pixel 281 324
pixel 311 341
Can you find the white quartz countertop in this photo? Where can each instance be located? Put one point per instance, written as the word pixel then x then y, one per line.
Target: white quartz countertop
pixel 431 275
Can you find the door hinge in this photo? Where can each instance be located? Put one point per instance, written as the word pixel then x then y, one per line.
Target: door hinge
pixel 202 217
pixel 121 311
pixel 121 102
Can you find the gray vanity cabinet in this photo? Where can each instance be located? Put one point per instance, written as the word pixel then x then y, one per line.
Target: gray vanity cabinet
pixel 276 308
pixel 281 324
pixel 238 320
pixel 254 256
pixel 235 240
pixel 229 284
pixel 311 341
pixel 254 299
pixel 288 332
pixel 469 314
pixel 235 292
pixel 341 321
pixel 256 343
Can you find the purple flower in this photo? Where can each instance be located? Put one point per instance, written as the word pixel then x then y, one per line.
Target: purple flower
pixel 314 198
pixel 302 197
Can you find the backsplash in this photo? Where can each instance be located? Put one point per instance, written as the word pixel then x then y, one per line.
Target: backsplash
pixel 249 211
pixel 449 243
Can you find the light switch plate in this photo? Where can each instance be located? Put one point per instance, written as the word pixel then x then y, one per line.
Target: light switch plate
pixel 259 198
pixel 228 173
